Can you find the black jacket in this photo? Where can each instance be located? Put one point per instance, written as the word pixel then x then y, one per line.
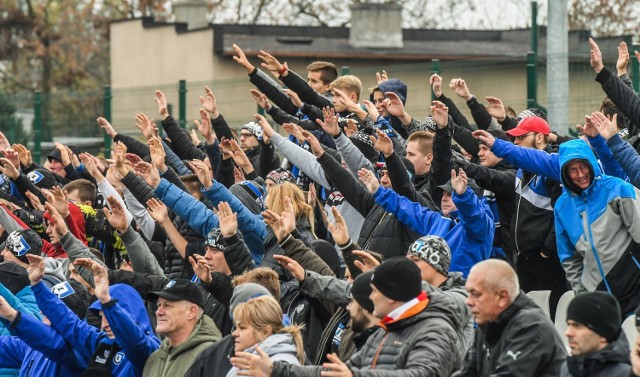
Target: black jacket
pixel 613 360
pixel 622 96
pixel 521 342
pixel 214 360
pixel 381 231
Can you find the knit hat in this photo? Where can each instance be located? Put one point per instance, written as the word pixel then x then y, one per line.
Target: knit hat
pixel 532 112
pixel 215 239
pixel 255 129
pixel 251 194
pixel 599 311
pixel 396 86
pixel 361 290
pixel 281 175
pixel 362 141
pixel 434 250
pixel 430 124
pixel 245 292
pixel 178 290
pixel 14 277
pixel 23 242
pixel 42 178
pixel 407 164
pixel 74 295
pixel 398 279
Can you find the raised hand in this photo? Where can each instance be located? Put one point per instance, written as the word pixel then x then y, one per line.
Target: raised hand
pixel 351 128
pixel 4 142
pixel 623 58
pixel 589 129
pixel 146 126
pixel 260 98
pixel 369 180
pixel 294 130
pixel 393 104
pixel 371 109
pixel 316 148
pixel 100 278
pixel 201 268
pixel 13 156
pixel 440 114
pixel 276 223
pixel 295 99
pixel 381 77
pixel 116 216
pixel 202 171
pixel 157 153
pixel 271 63
pixel 58 198
pixel 339 229
pixel 64 154
pixel 367 262
pixel 228 220
pixel 290 264
pixel 330 123
pixel 23 154
pixel 7 311
pixel 240 158
pixel 148 172
pixel 7 168
pixel 495 108
pixel 334 367
pixel 209 103
pixel 606 128
pixel 58 226
pixel 36 268
pixel 35 201
pixel 107 127
pixel 161 101
pixel 204 127
pixel 312 196
pixel 484 137
pixel 459 87
pixel 157 210
pixel 241 59
pixel 119 154
pixel 248 364
pixel 596 56
pixel 459 182
pixel 346 100
pixel 267 130
pixel 383 144
pixel 436 84
pixel 90 164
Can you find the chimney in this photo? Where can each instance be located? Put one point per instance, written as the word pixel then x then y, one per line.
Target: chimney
pixel 376 25
pixel 191 12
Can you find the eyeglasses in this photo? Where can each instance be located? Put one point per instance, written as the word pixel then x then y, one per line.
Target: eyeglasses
pixel 246 134
pixel 522 137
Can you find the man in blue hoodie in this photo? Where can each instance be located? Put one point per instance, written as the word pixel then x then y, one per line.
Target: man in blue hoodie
pixel 596 219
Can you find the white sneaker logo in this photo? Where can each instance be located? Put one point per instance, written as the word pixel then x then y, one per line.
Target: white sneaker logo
pixel 514 355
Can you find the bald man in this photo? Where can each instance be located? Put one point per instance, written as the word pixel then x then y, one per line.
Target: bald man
pixel 514 337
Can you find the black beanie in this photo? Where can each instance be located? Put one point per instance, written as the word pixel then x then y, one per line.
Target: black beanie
pixel 398 279
pixel 361 290
pixel 328 254
pixel 15 278
pixel 599 311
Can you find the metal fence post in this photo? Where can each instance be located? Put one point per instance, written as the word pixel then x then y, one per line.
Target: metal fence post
pixel 37 127
pixel 635 70
pixel 106 113
pixel 345 70
pixel 532 79
pixel 435 68
pixel 183 103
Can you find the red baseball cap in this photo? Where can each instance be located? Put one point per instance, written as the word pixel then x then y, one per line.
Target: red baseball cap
pixel 530 124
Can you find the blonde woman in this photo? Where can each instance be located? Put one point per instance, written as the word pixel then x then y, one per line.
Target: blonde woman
pixel 259 325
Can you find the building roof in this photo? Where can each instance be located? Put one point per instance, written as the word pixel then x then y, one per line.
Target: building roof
pixel 418 44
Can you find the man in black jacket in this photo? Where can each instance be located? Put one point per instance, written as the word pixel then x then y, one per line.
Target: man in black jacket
pixel 598 346
pixel 514 336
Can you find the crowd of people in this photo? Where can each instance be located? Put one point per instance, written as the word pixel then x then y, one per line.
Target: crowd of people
pixel 363 242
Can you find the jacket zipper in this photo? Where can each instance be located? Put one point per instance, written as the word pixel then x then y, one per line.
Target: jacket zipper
pixel 515 231
pixel 29 368
pixel 366 245
pixel 375 358
pixel 324 339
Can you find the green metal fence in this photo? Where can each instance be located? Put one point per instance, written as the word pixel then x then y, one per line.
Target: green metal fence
pixel 72 115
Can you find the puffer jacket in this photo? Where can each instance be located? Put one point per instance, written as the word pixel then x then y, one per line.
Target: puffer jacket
pixel 419 343
pixel 521 342
pixel 613 360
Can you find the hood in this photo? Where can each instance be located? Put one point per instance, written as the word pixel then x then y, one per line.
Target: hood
pixel 276 344
pixel 131 301
pixel 577 149
pixel 58 267
pixel 396 86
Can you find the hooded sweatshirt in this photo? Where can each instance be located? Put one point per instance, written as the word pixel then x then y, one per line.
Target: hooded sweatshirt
pixel 278 346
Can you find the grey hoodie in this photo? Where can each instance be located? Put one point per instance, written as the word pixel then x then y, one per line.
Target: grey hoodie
pixel 279 347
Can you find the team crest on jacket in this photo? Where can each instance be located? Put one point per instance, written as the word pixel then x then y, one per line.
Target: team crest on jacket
pixel 117 359
pixel 35 176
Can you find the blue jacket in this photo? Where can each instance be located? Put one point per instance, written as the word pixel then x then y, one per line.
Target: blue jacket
pixel 35 347
pixel 469 239
pixel 203 220
pixel 23 301
pixel 598 231
pixel 128 320
pixel 627 157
